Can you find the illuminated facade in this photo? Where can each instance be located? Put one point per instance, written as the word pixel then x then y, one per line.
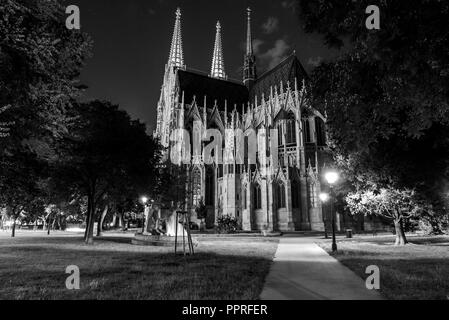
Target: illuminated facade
pixel 261 195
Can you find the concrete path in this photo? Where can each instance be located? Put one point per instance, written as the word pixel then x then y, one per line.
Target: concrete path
pixel 301 270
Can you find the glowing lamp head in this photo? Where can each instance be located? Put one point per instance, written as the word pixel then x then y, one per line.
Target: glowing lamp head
pixel 324 197
pixel 144 200
pixel 331 177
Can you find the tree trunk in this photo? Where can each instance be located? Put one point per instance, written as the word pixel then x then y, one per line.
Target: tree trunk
pixel 122 221
pixel 89 232
pixel 114 220
pixel 13 233
pixel 101 220
pixel 49 226
pixel 400 234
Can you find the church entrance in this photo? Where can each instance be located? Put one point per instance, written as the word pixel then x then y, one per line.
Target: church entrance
pixel 210 197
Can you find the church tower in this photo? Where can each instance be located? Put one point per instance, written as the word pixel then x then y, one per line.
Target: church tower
pixel 218 68
pixel 249 67
pixel 176 58
pixel 169 98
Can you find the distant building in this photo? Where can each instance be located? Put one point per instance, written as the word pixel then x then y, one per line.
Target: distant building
pixel 260 195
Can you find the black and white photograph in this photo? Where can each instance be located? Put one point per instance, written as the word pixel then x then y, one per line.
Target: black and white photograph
pixel 204 151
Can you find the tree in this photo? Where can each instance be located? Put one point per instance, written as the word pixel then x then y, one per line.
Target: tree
pixel 386 97
pixel 105 154
pixel 40 60
pixel 4 126
pixel 201 211
pixel 392 204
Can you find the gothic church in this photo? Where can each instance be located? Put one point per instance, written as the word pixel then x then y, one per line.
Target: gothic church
pixel 260 196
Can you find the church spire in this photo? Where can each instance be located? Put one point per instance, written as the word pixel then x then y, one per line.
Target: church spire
pixel 249 68
pixel 176 58
pixel 249 39
pixel 218 69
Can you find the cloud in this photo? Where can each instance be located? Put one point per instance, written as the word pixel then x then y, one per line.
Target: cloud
pixel 271 25
pixel 257 43
pixel 289 4
pixel 315 61
pixel 276 54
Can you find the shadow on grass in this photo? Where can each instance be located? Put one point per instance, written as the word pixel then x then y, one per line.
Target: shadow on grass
pixel 108 271
pixel 421 279
pixel 418 271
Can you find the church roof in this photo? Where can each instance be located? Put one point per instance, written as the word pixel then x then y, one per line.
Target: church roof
pixel 199 85
pixel 194 83
pixel 286 71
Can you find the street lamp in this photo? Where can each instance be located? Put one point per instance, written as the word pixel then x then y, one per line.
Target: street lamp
pixel 324 197
pixel 331 178
pixel 144 201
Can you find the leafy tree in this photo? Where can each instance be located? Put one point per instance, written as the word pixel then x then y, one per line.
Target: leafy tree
pixel 387 96
pixel 40 60
pixel 394 205
pixel 107 153
pixel 4 126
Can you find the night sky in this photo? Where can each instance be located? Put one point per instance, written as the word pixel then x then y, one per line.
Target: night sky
pixel 132 42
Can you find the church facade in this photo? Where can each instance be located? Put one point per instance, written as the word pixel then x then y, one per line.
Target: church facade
pixel 278 188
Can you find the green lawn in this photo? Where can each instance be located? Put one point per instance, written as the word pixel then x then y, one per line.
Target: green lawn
pixel 419 270
pixel 32 266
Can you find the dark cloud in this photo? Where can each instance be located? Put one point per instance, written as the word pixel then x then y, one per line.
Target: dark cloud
pixel 271 25
pixel 315 61
pixel 275 54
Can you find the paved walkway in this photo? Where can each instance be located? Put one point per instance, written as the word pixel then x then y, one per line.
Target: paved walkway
pixel 303 271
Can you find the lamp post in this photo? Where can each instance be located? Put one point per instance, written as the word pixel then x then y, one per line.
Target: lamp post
pixel 144 201
pixel 331 178
pixel 324 197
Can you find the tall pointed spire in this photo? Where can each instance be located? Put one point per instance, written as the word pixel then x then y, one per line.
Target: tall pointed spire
pixel 249 68
pixel 249 39
pixel 176 58
pixel 218 68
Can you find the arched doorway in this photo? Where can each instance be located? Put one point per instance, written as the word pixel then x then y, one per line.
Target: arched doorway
pixel 210 196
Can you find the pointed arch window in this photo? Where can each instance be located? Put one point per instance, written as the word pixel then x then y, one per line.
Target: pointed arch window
pixel 320 131
pixel 280 133
pixel 295 195
pixel 280 188
pixel 257 197
pixel 244 197
pixel 306 130
pixel 196 186
pixel 210 187
pixel 312 195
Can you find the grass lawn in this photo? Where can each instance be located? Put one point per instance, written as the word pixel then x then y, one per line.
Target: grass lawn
pixel 419 270
pixel 32 266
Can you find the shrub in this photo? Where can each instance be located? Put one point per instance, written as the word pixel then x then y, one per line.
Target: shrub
pixel 227 224
pixel 434 224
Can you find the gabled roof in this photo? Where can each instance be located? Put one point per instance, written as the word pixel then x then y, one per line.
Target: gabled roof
pixel 286 71
pixel 199 85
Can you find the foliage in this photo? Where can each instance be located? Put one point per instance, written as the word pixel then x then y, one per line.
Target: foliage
pixel 107 156
pixel 386 97
pixel 391 204
pixel 40 60
pixel 396 205
pixel 201 210
pixel 227 224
